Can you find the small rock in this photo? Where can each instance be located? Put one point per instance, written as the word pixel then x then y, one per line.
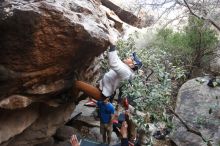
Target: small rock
pixel 49 142
pixel 64 133
pixel 64 143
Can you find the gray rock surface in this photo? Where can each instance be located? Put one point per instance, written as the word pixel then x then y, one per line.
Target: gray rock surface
pixel 199 106
pixel 124 15
pixel 44 46
pixel 64 133
pixel 87 125
pixel 215 63
pixel 15 122
pixel 48 142
pixel 87 115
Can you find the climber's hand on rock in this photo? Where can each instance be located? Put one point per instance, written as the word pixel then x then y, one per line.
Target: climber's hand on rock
pixel 112 37
pixel 112 40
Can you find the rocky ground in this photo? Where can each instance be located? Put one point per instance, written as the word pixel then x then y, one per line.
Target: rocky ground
pixel 87 126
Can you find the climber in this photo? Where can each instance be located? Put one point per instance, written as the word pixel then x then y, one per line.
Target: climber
pixel 119 71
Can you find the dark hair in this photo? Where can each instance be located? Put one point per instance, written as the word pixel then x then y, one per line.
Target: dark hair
pixel 135 68
pixel 104 97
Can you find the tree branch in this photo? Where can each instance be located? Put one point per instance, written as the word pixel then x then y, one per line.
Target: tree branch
pixel 203 18
pixel 158 4
pixel 165 12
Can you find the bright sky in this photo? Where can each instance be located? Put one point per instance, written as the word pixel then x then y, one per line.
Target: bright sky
pixel 155 11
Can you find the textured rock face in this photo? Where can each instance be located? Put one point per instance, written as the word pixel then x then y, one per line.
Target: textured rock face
pixel 215 63
pixel 87 114
pixel 44 46
pixel 45 125
pixel 124 15
pixel 15 102
pixel 17 121
pixel 198 105
pixel 64 133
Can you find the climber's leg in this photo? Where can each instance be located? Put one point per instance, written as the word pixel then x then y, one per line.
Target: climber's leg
pixel 88 89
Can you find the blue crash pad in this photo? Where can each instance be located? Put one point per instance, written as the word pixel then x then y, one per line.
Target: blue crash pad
pixel 86 142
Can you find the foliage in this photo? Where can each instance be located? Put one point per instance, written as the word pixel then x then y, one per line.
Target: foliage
pixel 194 46
pixel 166 58
pixel 152 94
pixel 104 63
pixel 201 39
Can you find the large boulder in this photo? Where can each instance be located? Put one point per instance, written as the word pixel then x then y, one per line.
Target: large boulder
pixel 44 46
pixel 46 124
pixel 215 63
pixel 198 105
pixel 15 122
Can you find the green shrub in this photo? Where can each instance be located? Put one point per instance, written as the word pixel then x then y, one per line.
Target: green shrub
pixel 194 45
pixel 154 94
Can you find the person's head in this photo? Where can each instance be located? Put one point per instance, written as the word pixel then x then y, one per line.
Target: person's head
pixel 133 62
pixel 106 99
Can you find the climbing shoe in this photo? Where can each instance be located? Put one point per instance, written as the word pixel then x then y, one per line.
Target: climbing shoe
pixel 90 103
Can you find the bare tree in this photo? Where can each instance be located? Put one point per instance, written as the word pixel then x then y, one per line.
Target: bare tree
pixel 208 10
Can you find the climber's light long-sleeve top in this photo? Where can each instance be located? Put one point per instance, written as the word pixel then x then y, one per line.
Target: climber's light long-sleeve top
pixel 119 71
